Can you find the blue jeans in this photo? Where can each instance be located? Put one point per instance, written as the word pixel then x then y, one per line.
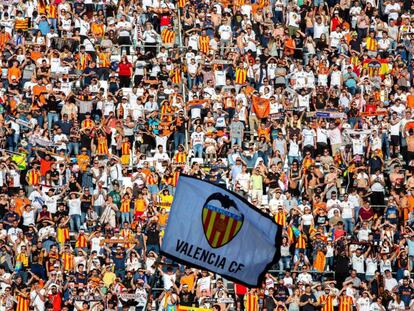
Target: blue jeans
pixel 236 141
pixel 284 262
pixel 125 217
pixel 190 81
pixel 131 214
pixel 73 148
pixel 179 139
pixel 348 225
pixel 52 117
pixel 83 218
pixel 278 17
pixel 385 146
pixel 153 247
pixel 120 273
pixel 53 22
pixel 329 262
pixel 198 150
pixel 16 140
pixel 75 223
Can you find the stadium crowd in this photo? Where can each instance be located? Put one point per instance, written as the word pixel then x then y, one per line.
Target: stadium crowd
pixel 305 108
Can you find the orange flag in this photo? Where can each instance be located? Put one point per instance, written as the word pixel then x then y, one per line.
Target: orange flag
pixel 261 106
pixel 249 90
pixel 320 261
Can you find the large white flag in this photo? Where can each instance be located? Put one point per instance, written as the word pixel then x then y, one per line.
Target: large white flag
pixel 214 229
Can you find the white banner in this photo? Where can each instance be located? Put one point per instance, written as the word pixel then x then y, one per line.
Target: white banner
pixel 214 229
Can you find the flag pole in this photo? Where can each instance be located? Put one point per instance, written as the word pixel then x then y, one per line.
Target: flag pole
pixel 152 283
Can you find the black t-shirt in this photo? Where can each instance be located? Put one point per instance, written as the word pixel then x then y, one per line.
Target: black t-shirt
pixel 269 303
pixel 281 293
pixel 86 202
pixel 85 141
pixel 52 105
pixel 306 297
pixel 90 70
pixel 375 163
pixel 163 75
pixel 342 265
pixel 273 179
pixel 153 235
pixel 81 277
pixel 355 45
pixel 264 58
pixel 406 293
pixel 11 216
pixel 321 220
pixel 187 299
pixel 78 7
pixel 180 124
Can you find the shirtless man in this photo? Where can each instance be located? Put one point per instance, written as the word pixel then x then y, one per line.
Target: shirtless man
pixel 330 181
pixel 410 144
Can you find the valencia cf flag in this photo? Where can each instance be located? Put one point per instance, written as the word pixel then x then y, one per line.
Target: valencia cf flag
pixel 212 228
pixel 260 106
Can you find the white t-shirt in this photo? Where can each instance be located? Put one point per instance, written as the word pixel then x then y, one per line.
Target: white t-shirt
pixel 363 303
pixel 305 278
pixel 51 202
pixel 358 145
pixel 13 233
pixel 37 302
pixel 74 206
pixel 220 77
pixel 28 218
pixel 308 136
pixel 225 32
pixel 197 138
pixel 37 199
pixel 347 209
pixel 243 179
pixel 318 30
pixel 392 6
pixel 335 38
pixel 335 136
pixel 395 129
pixel 204 283
pixel 363 234
pixel 358 263
pixel 96 244
pixel 3 285
pixel 321 135
pixel 15 178
pixel 390 283
pixel 372 266
pixel 375 185
pixel 336 78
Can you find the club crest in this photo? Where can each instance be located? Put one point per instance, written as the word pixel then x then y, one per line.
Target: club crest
pixel 221 220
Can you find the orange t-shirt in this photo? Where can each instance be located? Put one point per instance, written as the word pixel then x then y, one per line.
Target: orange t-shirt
pixel 13 71
pixel 140 205
pixel 35 55
pixel 37 90
pixel 20 203
pixel 410 101
pixel 188 280
pixel 162 219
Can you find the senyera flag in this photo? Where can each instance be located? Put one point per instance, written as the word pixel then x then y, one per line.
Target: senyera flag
pixel 215 229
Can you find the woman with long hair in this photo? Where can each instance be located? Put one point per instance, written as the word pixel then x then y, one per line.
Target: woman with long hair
pixel 294 300
pixel 285 256
pixel 396 304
